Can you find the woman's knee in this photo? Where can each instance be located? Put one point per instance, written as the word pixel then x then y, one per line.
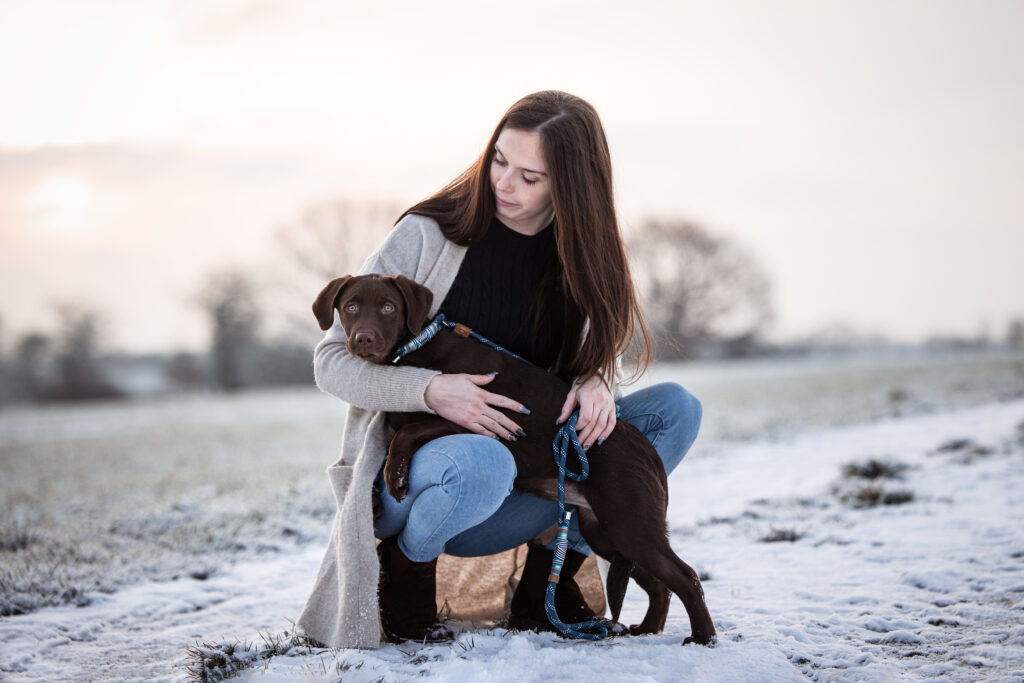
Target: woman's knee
pixel 476 463
pixel 681 413
pixel 681 408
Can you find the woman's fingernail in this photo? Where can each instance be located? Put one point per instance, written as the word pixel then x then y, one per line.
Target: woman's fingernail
pixel 600 441
pixel 524 410
pixel 495 436
pixel 492 374
pixel 511 437
pixel 587 447
pixel 521 433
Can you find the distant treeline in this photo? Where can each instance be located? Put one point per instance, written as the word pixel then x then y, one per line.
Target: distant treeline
pixel 703 297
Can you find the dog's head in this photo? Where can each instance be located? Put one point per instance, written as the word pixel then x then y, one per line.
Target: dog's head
pixel 378 312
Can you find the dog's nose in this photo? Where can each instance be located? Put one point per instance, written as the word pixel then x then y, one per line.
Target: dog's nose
pixel 364 339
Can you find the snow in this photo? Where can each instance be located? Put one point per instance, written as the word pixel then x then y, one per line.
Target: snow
pixel 929 589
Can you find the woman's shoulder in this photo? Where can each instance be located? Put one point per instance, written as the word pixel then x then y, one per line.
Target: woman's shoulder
pixel 413 240
pixel 414 225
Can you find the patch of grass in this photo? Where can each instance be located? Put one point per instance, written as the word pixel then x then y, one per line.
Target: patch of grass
pixel 899 497
pixel 874 495
pixel 874 469
pixel 966 450
pixel 15 539
pixel 219 661
pixel 953 445
pixel 777 535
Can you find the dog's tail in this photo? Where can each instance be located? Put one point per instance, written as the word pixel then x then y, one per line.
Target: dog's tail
pixel 619 572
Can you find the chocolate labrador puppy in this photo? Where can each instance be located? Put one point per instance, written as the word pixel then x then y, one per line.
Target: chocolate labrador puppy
pixel 621 506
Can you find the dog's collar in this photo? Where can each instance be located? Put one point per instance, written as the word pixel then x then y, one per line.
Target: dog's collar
pixel 428 333
pixel 439 323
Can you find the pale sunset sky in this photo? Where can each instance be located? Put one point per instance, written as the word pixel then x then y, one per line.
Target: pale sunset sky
pixel 869 154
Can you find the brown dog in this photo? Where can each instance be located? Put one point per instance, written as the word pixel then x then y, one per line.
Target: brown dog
pixel 621 506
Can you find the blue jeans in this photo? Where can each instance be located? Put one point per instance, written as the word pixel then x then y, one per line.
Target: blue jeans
pixel 461 500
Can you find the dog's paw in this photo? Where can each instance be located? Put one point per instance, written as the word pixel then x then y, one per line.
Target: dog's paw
pixel 397 482
pixel 705 640
pixel 641 630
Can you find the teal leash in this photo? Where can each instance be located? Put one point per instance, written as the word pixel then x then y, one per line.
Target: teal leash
pixel 566 435
pixel 588 630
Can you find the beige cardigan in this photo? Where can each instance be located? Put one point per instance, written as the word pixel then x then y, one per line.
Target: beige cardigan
pixel 342 609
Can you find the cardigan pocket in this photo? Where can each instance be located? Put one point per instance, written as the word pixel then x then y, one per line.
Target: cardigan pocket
pixel 340 477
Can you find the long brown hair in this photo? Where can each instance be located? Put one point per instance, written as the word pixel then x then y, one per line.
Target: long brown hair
pixel 595 277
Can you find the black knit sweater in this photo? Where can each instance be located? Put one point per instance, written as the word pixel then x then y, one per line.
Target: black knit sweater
pixel 507 290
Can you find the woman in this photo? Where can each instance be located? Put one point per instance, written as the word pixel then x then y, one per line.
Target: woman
pixel 523 247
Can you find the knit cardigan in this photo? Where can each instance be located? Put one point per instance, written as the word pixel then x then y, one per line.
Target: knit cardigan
pixel 342 609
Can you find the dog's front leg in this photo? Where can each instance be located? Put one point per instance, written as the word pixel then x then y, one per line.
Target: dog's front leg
pixel 404 444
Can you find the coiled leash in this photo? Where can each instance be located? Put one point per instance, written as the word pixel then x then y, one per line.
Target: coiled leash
pixel 566 435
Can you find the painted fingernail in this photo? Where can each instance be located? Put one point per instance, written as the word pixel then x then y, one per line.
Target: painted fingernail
pixel 524 410
pixel 587 447
pixel 600 441
pixel 511 437
pixel 492 374
pixel 495 437
pixel 521 433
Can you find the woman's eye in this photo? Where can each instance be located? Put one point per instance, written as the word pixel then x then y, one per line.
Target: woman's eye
pixel 388 308
pixel 498 161
pixel 528 181
pixel 351 308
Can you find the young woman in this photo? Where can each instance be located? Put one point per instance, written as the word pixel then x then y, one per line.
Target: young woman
pixel 523 247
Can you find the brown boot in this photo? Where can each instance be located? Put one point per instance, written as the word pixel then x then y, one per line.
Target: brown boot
pixel 408 610
pixel 527 613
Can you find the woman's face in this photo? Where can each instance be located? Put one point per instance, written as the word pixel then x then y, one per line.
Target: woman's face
pixel 522 189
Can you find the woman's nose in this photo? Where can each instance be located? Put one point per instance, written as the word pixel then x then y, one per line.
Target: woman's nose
pixel 505 182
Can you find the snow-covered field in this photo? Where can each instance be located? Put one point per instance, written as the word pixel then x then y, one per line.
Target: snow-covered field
pixel 815 569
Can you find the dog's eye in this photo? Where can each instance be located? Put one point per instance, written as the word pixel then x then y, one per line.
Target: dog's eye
pixel 351 308
pixel 388 308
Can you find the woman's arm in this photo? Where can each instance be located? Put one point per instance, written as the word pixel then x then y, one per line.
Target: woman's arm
pixel 361 383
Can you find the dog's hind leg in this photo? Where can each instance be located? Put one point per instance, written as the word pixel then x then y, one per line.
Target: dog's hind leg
pixel 620 568
pixel 618 578
pixel 658 602
pixel 665 565
pixel 640 535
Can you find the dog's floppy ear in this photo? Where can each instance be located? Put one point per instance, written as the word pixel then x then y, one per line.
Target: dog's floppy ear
pixel 323 307
pixel 417 302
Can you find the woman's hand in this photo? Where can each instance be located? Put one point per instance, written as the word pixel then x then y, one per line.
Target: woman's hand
pixel 597 410
pixel 460 399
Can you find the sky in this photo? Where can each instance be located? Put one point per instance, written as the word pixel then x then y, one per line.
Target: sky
pixel 869 155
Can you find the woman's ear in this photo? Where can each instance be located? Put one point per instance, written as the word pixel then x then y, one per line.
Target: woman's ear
pixel 417 302
pixel 323 307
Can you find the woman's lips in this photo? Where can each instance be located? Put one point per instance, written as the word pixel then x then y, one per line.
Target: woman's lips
pixel 502 202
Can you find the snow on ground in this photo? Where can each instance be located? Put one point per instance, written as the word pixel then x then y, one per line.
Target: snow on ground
pixel 929 586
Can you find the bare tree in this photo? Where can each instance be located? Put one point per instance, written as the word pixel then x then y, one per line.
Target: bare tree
pixel 698 289
pixel 26 373
pixel 326 241
pixel 229 298
pixel 79 374
pixel 1015 333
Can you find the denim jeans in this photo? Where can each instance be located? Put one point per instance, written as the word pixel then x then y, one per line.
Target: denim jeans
pixel 461 500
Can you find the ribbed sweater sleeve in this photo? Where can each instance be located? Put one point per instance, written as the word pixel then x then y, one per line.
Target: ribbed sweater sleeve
pixel 413 243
